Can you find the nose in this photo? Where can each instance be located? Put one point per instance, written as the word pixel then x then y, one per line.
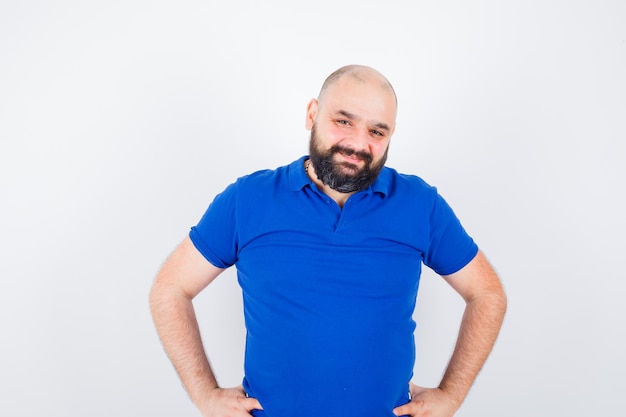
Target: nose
pixel 359 141
pixel 357 145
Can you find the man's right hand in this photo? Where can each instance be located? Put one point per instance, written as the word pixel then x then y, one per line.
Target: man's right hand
pixel 229 402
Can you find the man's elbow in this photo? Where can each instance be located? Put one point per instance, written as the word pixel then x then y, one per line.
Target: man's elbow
pixel 156 298
pixel 161 296
pixel 497 302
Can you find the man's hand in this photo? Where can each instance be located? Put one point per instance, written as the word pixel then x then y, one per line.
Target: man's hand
pixel 431 402
pixel 229 402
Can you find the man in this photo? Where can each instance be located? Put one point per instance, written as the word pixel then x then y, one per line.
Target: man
pixel 328 251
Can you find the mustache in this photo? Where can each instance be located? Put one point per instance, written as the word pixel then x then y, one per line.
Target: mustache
pixel 351 152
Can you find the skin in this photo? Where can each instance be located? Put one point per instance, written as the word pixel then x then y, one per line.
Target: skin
pixel 357 111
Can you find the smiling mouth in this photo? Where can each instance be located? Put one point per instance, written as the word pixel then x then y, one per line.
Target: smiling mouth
pixel 354 156
pixel 351 156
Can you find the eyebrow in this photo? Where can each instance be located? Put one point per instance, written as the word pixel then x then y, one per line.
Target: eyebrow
pixel 348 115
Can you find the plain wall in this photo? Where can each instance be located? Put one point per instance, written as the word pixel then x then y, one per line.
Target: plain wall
pixel 120 120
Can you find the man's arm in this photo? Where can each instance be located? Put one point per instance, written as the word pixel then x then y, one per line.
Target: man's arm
pixel 485 307
pixel 185 273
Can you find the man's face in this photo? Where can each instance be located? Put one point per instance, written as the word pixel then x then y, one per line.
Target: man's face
pixel 351 127
pixel 341 175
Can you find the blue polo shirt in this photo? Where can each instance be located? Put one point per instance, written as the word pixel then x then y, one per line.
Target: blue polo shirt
pixel 329 293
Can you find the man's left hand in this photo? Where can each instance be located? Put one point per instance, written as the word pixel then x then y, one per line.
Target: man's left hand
pixel 431 402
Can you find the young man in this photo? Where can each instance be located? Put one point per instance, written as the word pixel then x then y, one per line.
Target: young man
pixel 328 251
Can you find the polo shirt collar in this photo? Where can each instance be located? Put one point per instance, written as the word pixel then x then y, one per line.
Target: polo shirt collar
pixel 298 179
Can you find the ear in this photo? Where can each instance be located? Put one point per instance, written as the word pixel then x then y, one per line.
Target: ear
pixel 311 114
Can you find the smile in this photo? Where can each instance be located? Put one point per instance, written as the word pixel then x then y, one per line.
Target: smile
pixel 353 156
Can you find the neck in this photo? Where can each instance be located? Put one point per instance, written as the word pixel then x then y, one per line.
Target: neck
pixel 338 197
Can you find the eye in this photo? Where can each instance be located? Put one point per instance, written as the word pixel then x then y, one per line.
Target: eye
pixel 377 132
pixel 343 122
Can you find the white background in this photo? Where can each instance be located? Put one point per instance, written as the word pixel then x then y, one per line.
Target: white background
pixel 120 120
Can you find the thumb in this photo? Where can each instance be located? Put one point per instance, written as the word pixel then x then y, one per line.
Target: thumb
pixel 401 411
pixel 250 404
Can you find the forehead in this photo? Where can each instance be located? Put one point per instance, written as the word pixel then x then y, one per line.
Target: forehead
pixel 368 97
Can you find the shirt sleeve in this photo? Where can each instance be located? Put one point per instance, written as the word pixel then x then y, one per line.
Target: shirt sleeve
pixel 450 248
pixel 215 235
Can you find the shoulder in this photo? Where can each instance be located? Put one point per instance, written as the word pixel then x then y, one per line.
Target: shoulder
pixel 263 177
pixel 265 182
pixel 401 185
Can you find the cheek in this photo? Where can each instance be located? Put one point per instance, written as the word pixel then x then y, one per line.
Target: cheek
pixel 378 149
pixel 335 134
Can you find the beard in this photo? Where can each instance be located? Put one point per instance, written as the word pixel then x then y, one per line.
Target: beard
pixel 343 177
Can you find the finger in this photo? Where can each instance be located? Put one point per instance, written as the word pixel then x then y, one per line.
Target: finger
pixel 250 404
pixel 409 408
pixel 403 410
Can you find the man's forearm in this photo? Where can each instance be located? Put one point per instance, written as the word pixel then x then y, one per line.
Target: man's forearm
pixel 176 323
pixel 479 329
